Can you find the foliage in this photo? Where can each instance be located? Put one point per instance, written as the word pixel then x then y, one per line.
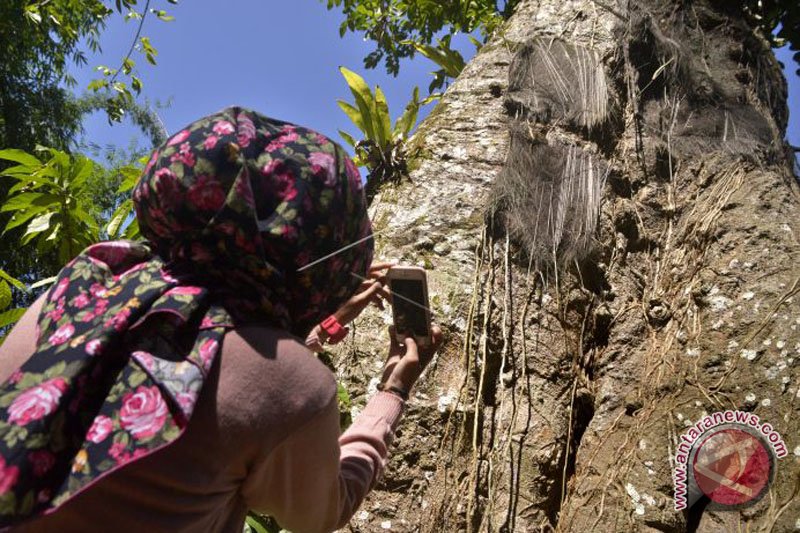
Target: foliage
pixel 8 315
pixel 123 223
pixel 451 61
pixel 768 15
pixel 40 39
pixel 382 149
pixel 398 26
pixel 258 523
pixel 51 201
pixel 142 115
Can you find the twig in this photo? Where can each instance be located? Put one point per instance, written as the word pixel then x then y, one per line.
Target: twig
pixel 133 44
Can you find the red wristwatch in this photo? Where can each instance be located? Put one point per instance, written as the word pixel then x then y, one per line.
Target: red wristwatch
pixel 336 332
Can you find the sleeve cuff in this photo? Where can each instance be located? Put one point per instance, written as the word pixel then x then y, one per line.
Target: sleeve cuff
pixel 387 406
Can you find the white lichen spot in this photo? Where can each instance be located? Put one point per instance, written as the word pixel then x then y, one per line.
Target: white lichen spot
pixel 767 342
pixel 780 344
pixel 698 403
pixel 372 387
pixel 772 372
pixel 786 227
pixel 750 398
pixel 679 416
pixel 363 515
pixel 642 444
pixel 732 344
pixel 445 400
pixel 748 295
pixel 766 402
pixel 546 299
pixel 635 498
pixel 649 500
pixel 797 451
pixel 749 354
pixel 735 263
pixel 693 352
pixel 719 303
pixel 386 524
pixel 718 324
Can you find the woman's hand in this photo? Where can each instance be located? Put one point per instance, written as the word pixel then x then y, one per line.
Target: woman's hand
pixel 372 290
pixel 407 361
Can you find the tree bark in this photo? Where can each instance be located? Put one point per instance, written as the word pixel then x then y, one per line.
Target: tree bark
pixel 608 216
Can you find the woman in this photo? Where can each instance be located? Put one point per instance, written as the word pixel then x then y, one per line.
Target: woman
pixel 178 359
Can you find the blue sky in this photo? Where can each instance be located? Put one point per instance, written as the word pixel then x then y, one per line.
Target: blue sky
pixel 278 57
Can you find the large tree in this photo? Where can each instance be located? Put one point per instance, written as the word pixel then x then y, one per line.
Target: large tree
pixel 607 210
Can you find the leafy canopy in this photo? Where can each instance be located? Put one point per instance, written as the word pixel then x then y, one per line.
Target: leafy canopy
pixel 397 27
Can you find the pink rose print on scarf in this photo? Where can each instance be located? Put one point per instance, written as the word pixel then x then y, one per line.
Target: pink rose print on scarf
pixel 145 359
pixel 119 320
pixel 223 127
pixel 184 155
pixel 178 138
pixel 8 476
pixel 246 132
pixel 143 413
pixel 207 194
pixel 60 289
pixel 81 301
pixel 322 162
pixel 185 290
pixel 36 402
pixel 210 142
pixel 92 346
pixel 101 427
pixel 207 351
pixel 166 186
pixel 282 178
pixel 62 335
pixel 42 461
pixel 284 137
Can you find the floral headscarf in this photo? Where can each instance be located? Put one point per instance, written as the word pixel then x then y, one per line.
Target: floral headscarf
pixel 233 207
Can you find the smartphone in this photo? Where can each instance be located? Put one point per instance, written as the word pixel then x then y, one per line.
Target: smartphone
pixel 410 307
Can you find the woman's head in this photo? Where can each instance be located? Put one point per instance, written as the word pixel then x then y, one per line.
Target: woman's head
pixel 244 202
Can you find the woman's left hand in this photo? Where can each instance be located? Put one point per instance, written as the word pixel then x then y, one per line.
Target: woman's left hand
pixel 372 290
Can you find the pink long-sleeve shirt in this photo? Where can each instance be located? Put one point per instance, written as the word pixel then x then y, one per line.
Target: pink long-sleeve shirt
pixel 264 436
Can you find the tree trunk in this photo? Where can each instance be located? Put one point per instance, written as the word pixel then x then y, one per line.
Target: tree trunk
pixel 608 216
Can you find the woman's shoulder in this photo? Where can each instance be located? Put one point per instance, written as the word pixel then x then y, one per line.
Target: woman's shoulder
pixel 274 374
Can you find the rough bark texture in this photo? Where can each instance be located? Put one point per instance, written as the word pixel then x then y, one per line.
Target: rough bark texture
pixel 609 221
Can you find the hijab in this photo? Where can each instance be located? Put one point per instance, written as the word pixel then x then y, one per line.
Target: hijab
pixel 237 210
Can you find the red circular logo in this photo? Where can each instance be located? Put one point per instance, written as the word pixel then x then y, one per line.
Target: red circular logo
pixel 733 467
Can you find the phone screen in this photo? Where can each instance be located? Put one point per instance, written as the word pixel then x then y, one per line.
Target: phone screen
pixel 409 317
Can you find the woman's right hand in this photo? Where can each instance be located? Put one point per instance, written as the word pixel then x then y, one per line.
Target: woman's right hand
pixel 407 361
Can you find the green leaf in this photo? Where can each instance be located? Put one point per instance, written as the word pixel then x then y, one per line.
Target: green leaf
pixel 44 282
pixel 21 217
pixel 28 200
pixel 13 281
pixel 354 115
pixel 365 101
pixel 11 316
pixel 348 138
pixel 118 218
pixel 81 168
pixel 39 224
pixel 20 156
pixel 81 215
pixel 383 121
pixel 5 294
pixel 408 119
